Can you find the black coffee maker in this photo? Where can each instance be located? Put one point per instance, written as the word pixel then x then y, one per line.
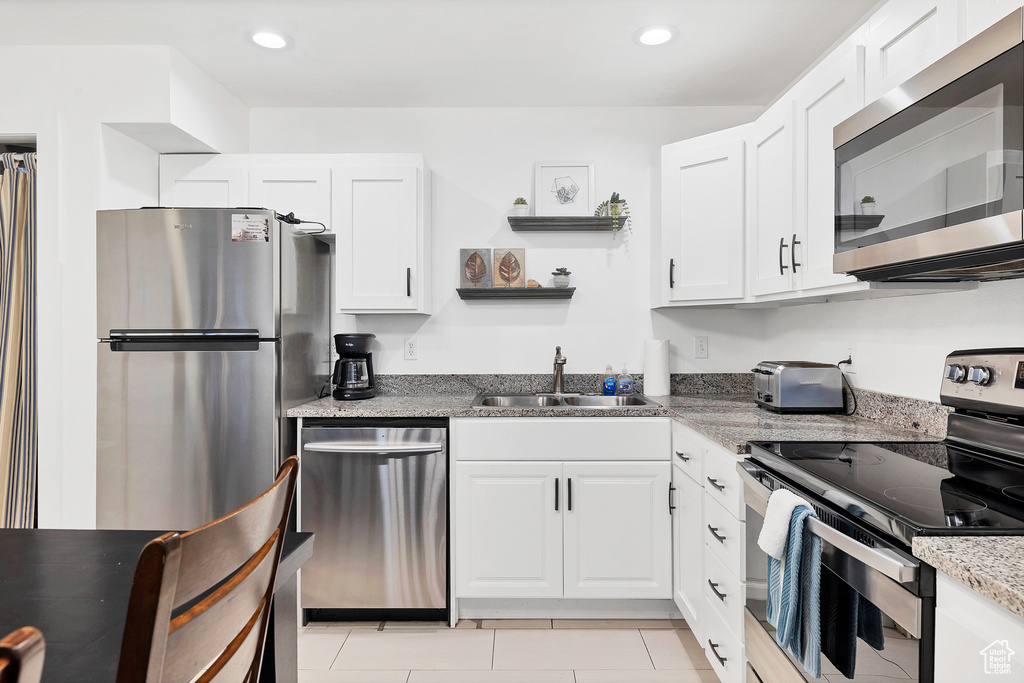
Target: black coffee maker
pixel 353 373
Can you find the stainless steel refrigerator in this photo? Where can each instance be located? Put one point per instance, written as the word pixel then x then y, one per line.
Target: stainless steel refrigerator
pixel 211 324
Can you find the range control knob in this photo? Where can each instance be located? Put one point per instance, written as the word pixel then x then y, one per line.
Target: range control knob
pixel 980 375
pixel 956 373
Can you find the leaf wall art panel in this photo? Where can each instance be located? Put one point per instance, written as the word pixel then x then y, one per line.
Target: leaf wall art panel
pixel 475 268
pixel 509 268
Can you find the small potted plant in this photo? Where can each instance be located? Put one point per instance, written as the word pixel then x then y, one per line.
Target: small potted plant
pixel 618 209
pixel 867 205
pixel 520 207
pixel 561 277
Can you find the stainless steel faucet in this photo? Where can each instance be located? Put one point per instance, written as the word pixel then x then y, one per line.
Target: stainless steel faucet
pixel 557 387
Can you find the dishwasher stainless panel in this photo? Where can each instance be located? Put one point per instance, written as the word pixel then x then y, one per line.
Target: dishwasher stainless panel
pixel 376 498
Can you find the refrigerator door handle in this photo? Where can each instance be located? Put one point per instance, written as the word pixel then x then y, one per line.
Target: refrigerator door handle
pixel 183 340
pixel 124 335
pixel 356 447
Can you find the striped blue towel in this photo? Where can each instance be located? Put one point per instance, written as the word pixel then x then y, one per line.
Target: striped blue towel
pixel 794 594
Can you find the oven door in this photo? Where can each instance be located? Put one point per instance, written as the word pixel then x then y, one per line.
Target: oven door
pixel 900 587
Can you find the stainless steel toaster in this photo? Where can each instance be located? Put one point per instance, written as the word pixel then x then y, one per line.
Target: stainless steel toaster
pixel 793 386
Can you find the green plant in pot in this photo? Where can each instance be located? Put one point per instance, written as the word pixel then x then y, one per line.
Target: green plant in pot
pixel 520 207
pixel 561 277
pixel 867 205
pixel 618 210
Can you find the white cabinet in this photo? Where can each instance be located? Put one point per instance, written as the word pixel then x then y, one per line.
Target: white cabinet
pixel 825 97
pixel 688 548
pixel 302 190
pixel 770 229
pixel 912 36
pixel 382 259
pixel 701 220
pixel 509 534
pixel 973 635
pixel 560 520
pixel 203 180
pixel 978 15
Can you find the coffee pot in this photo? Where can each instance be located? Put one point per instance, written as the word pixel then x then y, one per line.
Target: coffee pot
pixel 353 371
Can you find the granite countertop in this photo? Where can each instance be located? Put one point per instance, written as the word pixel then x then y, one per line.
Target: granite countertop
pixel 728 420
pixel 990 565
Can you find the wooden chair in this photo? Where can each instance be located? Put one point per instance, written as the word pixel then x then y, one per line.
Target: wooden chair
pixel 21 656
pixel 200 603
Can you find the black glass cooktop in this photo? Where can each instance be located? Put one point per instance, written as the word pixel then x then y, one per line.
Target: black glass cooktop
pixel 906 489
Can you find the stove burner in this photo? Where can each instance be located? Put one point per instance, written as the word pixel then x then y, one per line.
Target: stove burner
pixel 1014 492
pixel 931 499
pixel 835 453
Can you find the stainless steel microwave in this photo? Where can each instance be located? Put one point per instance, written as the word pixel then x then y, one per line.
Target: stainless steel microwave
pixel 930 177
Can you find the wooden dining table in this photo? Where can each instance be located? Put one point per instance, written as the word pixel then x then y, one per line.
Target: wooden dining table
pixel 74 585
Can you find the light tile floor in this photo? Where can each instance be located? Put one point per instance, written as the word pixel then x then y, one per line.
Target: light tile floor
pixel 503 651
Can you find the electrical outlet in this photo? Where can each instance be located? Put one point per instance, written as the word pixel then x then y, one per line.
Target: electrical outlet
pixel 700 347
pixel 851 353
pixel 410 348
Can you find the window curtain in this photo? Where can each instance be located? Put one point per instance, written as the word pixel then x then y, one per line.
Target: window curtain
pixel 18 426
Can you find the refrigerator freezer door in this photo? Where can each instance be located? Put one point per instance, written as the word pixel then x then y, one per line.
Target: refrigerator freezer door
pixel 187 269
pixel 183 437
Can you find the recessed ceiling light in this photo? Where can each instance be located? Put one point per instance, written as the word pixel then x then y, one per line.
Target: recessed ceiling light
pixel 655 35
pixel 268 39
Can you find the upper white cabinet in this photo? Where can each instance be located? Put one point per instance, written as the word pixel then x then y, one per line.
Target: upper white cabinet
pixel 376 205
pixel 770 228
pixel 912 36
pixel 383 243
pixel 977 15
pixel 702 219
pixel 832 92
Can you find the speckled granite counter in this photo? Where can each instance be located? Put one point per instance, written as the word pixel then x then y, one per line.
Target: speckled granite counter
pixel 729 420
pixel 991 565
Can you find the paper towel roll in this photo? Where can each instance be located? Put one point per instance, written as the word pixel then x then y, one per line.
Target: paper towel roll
pixel 656 371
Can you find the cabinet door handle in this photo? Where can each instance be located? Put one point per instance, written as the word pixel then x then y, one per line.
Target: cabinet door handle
pixel 714 482
pixel 682 456
pixel 671 490
pixel 792 253
pixel 408 281
pixel 556 494
pixel 569 481
pixel 782 264
pixel 671 273
pixel 714 532
pixel 714 589
pixel 714 649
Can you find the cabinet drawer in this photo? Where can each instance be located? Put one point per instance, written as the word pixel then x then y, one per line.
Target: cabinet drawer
pixel 722 482
pixel 688 452
pixel 722 648
pixel 725 592
pixel 724 536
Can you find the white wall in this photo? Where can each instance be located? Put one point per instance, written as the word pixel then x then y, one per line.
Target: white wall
pixel 64 96
pixel 901 342
pixel 481 160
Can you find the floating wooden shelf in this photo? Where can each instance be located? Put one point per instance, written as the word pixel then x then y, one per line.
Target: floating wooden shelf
pixel 469 293
pixel 563 223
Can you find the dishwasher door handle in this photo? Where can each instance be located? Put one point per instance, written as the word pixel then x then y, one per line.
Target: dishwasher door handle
pixel 359 447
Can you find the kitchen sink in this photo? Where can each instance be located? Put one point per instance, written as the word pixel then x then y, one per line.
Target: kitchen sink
pixel 562 402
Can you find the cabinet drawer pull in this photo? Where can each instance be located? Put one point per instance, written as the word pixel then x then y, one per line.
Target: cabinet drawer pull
pixel 714 482
pixel 792 253
pixel 682 456
pixel 714 589
pixel 782 264
pixel 671 490
pixel 408 281
pixel 671 273
pixel 714 532
pixel 570 493
pixel 714 649
pixel 556 494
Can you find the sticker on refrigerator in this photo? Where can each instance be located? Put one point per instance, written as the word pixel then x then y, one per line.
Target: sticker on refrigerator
pixel 246 228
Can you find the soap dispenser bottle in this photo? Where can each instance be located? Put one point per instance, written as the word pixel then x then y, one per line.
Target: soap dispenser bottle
pixel 624 383
pixel 608 386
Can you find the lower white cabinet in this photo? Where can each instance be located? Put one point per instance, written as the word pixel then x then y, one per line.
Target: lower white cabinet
pixel 572 529
pixel 688 551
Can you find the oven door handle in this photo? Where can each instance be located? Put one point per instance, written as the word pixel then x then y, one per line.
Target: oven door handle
pixel 882 560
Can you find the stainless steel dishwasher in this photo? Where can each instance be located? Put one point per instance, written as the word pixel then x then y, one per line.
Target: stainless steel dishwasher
pixel 375 493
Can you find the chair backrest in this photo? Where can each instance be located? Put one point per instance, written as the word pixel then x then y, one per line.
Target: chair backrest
pixel 200 601
pixel 21 656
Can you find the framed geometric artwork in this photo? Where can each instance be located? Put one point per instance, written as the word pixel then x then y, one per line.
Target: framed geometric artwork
pixel 563 188
pixel 475 268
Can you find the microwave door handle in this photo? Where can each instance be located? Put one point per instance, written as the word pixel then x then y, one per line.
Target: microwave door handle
pixel 755 495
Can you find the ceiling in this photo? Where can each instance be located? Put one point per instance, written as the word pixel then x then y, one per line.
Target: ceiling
pixel 464 53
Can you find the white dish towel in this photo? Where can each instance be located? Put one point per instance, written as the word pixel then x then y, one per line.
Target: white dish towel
pixel 775 531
